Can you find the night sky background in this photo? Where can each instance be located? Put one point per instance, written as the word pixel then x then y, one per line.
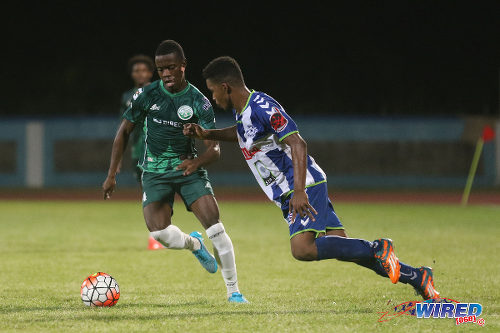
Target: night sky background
pixel 390 58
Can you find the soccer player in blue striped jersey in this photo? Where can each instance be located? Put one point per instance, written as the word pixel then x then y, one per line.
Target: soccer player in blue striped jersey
pixel 277 155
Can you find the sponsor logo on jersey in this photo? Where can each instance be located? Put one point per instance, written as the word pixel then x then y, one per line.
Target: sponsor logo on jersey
pixel 249 153
pixel 168 122
pixel 155 107
pixel 277 120
pixel 264 173
pixel 185 112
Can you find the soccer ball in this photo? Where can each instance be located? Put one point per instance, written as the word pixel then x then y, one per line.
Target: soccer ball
pixel 100 289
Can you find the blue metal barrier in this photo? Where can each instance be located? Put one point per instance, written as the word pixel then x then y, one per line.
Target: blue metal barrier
pixel 334 129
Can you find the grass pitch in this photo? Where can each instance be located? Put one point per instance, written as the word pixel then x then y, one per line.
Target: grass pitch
pixel 48 248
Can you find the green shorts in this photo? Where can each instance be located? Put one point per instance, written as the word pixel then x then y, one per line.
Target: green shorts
pixel 161 187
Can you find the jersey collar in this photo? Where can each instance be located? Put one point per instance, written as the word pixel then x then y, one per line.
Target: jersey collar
pixel 248 101
pixel 182 92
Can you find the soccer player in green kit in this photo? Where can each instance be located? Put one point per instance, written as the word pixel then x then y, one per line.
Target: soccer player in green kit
pixel 141 69
pixel 171 164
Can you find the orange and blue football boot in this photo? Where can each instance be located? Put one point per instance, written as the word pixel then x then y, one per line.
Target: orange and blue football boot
pixel 384 253
pixel 426 289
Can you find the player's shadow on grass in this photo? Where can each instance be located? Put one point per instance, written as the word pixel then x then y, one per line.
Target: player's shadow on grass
pixel 120 316
pixel 162 305
pixel 80 306
pixel 114 314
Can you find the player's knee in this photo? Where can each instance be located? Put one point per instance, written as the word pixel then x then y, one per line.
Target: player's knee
pixel 157 222
pixel 304 253
pixel 157 216
pixel 206 210
pixel 209 218
pixel 156 225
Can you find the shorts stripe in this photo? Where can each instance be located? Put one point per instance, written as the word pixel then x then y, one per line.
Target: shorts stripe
pixel 304 230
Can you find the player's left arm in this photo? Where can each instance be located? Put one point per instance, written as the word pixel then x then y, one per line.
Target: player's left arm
pixel 212 148
pixel 299 204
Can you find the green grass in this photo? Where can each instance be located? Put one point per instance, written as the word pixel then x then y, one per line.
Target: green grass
pixel 48 248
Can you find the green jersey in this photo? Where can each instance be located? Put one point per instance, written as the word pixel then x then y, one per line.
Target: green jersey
pixel 137 137
pixel 164 115
pixel 127 99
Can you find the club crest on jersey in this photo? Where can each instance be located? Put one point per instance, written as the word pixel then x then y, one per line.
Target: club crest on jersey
pixel 278 122
pixel 185 112
pixel 251 131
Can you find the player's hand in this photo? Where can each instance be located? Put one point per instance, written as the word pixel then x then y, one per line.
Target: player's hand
pixel 299 205
pixel 189 166
pixel 194 131
pixel 108 187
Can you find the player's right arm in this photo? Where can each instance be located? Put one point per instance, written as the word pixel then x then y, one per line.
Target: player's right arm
pixel 198 132
pixel 135 113
pixel 119 146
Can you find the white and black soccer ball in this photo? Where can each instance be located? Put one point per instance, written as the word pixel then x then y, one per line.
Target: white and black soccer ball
pixel 100 289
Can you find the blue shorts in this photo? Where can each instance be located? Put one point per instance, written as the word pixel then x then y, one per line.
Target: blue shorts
pixel 326 218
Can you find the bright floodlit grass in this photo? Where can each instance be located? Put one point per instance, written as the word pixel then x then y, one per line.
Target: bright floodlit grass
pixel 48 248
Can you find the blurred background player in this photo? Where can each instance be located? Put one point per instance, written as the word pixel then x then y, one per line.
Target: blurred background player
pixel 141 70
pixel 277 156
pixel 171 165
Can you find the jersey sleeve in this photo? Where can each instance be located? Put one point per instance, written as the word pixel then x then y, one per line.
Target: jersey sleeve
pixel 206 117
pixel 136 112
pixel 277 121
pixel 123 104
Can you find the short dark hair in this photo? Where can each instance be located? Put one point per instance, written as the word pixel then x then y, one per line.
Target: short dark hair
pixel 224 69
pixel 170 46
pixel 141 59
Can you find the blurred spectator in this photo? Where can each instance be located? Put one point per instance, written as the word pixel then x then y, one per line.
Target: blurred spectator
pixel 141 69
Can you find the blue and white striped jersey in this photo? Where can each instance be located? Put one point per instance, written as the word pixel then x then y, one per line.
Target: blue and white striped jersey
pixel 261 128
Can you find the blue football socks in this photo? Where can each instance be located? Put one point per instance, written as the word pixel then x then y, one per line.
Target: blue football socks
pixel 360 252
pixel 372 264
pixel 347 249
pixel 410 275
